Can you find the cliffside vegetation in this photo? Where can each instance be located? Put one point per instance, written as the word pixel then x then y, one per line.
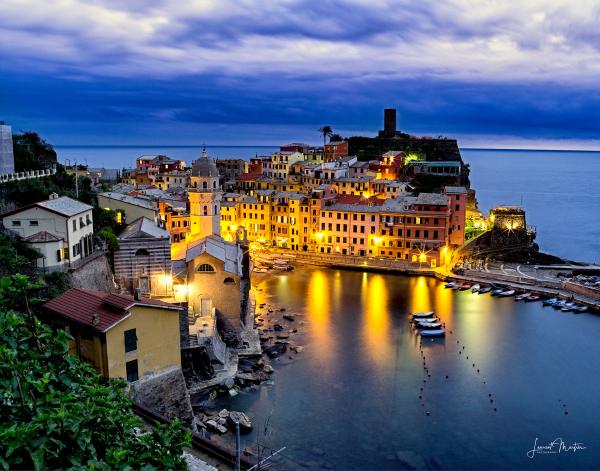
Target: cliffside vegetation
pixel 55 412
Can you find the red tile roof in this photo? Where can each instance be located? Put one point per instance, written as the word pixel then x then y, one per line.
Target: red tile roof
pixel 98 309
pixel 357 199
pixel 248 177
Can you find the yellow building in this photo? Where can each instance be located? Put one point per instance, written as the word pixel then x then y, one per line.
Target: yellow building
pixel 121 336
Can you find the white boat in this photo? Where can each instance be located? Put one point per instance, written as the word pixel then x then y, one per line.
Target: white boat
pixel 429 326
pixel 475 288
pixel 261 270
pixel 484 289
pixel 283 267
pixel 450 285
pixel 420 315
pixel 580 308
pixel 432 333
pixel 522 296
pixel 507 293
pixel 425 320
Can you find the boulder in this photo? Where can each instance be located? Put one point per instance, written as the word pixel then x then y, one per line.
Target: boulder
pixel 216 427
pixel 278 327
pixel 243 419
pixel 224 413
pixel 276 350
pixel 289 317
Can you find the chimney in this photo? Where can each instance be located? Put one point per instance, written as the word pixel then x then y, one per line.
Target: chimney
pixel 53 196
pixel 137 294
pixel 95 319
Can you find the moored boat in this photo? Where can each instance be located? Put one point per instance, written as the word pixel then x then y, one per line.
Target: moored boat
pixel 425 320
pixel 580 308
pixel 420 315
pixel 497 291
pixel 464 286
pixel 450 285
pixel 475 288
pixel 550 302
pixel 532 297
pixel 484 289
pixel 508 292
pixel 432 333
pixel 429 326
pixel 523 296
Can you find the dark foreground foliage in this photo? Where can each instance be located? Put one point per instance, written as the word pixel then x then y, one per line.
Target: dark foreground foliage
pixel 55 412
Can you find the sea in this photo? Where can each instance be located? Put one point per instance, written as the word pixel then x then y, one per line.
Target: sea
pixel 560 190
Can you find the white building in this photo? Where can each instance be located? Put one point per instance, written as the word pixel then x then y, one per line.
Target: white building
pixel 60 228
pixel 7 159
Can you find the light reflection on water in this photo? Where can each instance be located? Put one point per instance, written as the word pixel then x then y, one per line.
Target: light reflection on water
pixel 350 398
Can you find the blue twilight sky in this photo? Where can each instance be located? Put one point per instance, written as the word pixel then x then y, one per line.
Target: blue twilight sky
pixel 494 73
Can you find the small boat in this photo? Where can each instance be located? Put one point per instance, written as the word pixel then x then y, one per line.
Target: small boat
pixel 497 291
pixel 580 308
pixel 432 333
pixel 425 320
pixel 261 270
pixel 475 288
pixel 484 289
pixel 532 298
pixel 421 315
pixel 283 267
pixel 550 302
pixel 559 304
pixel 522 297
pixel 464 287
pixel 429 326
pixel 508 292
pixel 567 308
pixel 450 285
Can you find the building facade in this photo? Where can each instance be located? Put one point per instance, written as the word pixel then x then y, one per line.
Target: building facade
pixel 60 228
pixel 7 158
pixel 119 335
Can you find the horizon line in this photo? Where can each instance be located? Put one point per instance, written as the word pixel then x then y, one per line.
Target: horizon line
pixel 279 145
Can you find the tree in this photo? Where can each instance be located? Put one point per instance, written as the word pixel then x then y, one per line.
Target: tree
pixel 326 132
pixel 335 138
pixel 56 412
pixel 32 152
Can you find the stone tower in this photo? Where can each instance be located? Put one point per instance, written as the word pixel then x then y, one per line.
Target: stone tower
pixel 205 198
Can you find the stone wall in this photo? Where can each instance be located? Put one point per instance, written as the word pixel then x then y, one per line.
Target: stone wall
pixel 95 274
pixel 164 393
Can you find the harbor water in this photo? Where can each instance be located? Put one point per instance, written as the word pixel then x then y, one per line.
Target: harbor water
pixel 507 374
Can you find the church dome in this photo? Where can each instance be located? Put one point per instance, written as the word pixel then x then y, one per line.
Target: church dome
pixel 204 166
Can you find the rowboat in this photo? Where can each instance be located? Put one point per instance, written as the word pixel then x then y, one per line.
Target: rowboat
pixel 450 285
pixel 429 326
pixel 425 320
pixel 484 289
pixel 421 315
pixel 475 288
pixel 580 308
pixel 531 298
pixel 432 333
pixel 550 302
pixel 508 292
pixel 497 291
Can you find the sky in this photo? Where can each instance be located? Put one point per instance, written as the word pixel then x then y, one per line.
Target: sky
pixel 492 73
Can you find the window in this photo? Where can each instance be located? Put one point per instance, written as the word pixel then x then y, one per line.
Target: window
pixel 206 268
pixel 228 281
pixel 74 225
pixel 58 255
pixel 130 340
pixel 141 252
pixel 33 223
pixel 131 368
pixel 16 223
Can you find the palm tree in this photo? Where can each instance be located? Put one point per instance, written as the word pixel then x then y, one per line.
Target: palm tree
pixel 325 131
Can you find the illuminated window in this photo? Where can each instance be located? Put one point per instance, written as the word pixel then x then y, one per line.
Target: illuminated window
pixel 206 268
